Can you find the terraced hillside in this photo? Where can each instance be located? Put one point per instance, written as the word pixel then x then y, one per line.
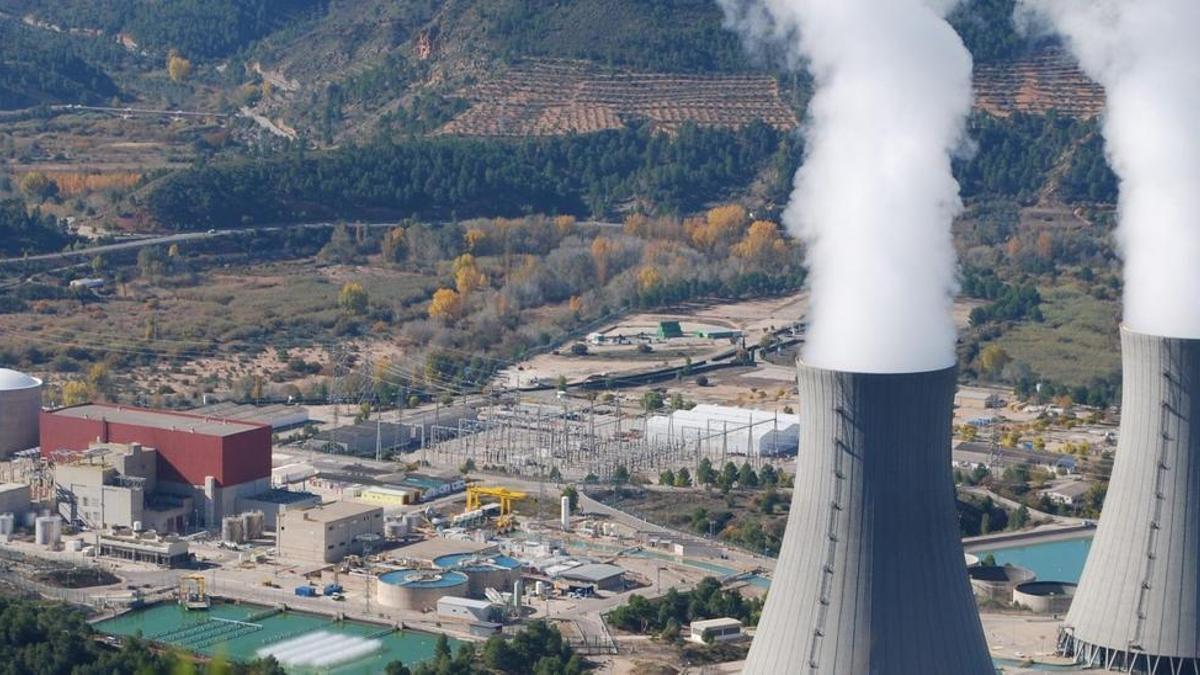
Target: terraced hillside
pixel 544 97
pixel 1045 81
pixel 551 97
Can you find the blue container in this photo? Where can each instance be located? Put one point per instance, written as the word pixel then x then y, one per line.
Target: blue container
pixel 330 589
pixel 306 591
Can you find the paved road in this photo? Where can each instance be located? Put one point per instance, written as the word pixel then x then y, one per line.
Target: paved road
pixel 168 239
pixel 210 234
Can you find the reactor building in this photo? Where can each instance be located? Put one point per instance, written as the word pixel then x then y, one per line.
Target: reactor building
pixel 871 577
pixel 215 462
pixel 20 405
pixel 1137 607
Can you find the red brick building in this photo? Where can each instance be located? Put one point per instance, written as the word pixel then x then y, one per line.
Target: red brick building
pixel 190 448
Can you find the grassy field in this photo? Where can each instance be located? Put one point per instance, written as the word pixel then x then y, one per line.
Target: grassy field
pixel 1077 342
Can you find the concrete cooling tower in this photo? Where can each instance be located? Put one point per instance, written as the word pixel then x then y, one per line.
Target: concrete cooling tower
pixel 1137 608
pixel 871 579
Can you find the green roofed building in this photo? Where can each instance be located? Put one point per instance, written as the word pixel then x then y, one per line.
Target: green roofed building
pixel 669 329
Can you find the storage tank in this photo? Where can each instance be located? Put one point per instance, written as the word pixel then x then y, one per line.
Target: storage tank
pixel 7 524
pixel 20 405
pixel 252 524
pixel 995 582
pixel 1045 597
pixel 419 590
pixel 497 572
pixel 47 530
pixel 232 531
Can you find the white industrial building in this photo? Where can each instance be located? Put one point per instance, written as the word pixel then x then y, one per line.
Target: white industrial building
pixel 722 430
pixel 466 609
pixel 715 630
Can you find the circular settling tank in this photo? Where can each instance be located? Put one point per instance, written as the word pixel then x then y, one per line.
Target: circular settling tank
pixel 20 405
pixel 483 571
pixel 419 590
pixel 1045 597
pixel 993 582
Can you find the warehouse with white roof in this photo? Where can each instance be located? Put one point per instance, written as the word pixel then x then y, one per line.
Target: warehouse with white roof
pixel 728 431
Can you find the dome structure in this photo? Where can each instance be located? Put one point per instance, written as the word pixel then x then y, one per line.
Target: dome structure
pixel 12 380
pixel 20 406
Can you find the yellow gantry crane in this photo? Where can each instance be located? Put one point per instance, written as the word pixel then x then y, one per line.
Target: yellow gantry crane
pixel 504 495
pixel 193 593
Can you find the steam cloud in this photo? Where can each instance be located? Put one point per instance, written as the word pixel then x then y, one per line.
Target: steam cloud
pixel 1147 56
pixel 875 198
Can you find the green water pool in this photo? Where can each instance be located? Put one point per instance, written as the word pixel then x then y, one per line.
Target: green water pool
pixel 237 632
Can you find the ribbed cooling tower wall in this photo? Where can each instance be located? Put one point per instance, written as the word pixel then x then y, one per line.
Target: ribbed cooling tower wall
pixel 871 578
pixel 1138 602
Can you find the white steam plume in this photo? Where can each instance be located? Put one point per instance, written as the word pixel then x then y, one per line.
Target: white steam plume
pixel 875 199
pixel 1146 54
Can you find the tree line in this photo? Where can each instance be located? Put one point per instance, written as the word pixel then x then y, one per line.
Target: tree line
pixel 450 178
pixel 201 28
pixel 666 615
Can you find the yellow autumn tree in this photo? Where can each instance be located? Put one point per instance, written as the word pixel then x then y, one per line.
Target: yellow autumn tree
pixel 649 278
pixel 394 246
pixel 353 298
pixel 474 238
pixel 467 275
pixel 76 392
pixel 446 305
pixel 636 225
pixel 564 225
pixel 576 305
pixel 721 226
pixel 178 68
pixel 602 248
pixel 762 242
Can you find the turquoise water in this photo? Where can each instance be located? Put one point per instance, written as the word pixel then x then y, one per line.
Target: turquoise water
pixel 454 560
pixel 1052 561
pixel 203 632
pixel 423 578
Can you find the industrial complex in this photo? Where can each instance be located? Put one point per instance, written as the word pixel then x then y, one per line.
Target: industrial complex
pixel 457 524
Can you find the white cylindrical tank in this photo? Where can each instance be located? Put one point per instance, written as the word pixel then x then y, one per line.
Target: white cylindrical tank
pixel 47 531
pixel 137 526
pixel 540 589
pixel 518 593
pixel 7 523
pixel 395 529
pixel 20 405
pixel 565 515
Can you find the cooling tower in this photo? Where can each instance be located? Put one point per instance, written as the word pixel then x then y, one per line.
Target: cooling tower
pixel 1137 607
pixel 871 579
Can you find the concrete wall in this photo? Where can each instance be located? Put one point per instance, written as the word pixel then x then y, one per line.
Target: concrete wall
pixel 1141 584
pixel 871 577
pixel 415 598
pixel 19 410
